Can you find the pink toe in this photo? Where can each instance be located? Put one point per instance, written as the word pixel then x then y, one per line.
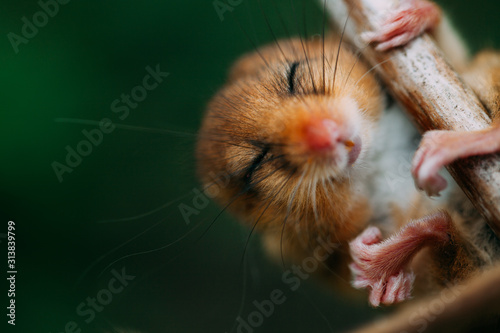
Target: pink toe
pixel 394 42
pixel 393 286
pixel 370 236
pixel 376 293
pixel 405 292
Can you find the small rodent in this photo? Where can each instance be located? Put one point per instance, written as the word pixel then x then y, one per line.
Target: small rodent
pixel 302 131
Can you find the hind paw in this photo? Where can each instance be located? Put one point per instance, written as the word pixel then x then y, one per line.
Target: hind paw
pixel 369 271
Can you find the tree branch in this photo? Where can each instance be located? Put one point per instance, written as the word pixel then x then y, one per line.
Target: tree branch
pixel 452 310
pixel 433 94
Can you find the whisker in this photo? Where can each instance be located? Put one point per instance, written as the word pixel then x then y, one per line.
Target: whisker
pixel 95 262
pixel 254 46
pixel 270 201
pixel 358 57
pixel 321 314
pixel 242 302
pixel 126 127
pixel 323 46
pixel 303 44
pixel 228 143
pixel 242 192
pixel 289 208
pixel 371 69
pixel 271 30
pixel 152 250
pixel 338 50
pixel 148 213
pixel 304 21
pixel 280 17
pixel 313 198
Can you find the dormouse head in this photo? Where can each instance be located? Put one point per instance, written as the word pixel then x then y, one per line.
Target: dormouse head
pixel 294 118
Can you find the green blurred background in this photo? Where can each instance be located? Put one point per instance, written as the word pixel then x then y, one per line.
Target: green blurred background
pixel 68 236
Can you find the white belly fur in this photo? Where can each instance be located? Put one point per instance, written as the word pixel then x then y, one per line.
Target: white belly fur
pixel 390 181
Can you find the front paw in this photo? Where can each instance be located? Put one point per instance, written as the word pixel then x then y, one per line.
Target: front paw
pixel 369 271
pixel 408 21
pixel 437 149
pixel 440 148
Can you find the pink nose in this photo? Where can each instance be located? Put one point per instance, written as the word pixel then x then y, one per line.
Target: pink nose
pixel 321 134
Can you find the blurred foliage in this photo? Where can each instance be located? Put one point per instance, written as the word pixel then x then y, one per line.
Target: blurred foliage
pixel 85 57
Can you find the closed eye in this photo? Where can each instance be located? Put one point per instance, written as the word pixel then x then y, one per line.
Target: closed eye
pixel 254 165
pixel 291 77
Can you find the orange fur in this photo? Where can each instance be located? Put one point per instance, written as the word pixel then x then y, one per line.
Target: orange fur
pixel 255 107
